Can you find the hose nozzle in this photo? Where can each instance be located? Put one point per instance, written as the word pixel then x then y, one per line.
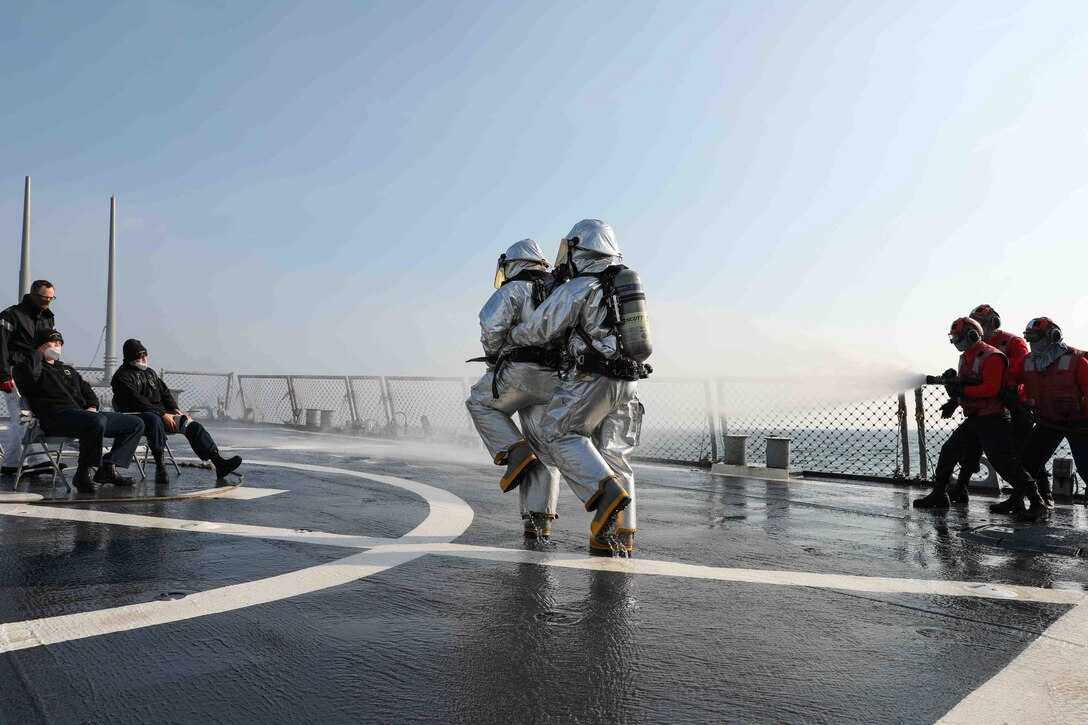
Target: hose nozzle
pixel 948 376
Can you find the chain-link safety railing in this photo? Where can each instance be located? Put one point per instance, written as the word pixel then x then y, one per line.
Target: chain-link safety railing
pixel 686 420
pixel 935 430
pixel 267 399
pixel 371 401
pixel 210 395
pixel 432 408
pixel 826 436
pixel 322 401
pixel 679 425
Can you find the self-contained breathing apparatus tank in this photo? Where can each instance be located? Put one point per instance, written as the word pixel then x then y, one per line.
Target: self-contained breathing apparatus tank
pixel 631 318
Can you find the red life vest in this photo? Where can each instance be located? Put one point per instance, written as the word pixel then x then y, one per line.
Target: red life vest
pixel 1053 393
pixel 980 406
pixel 1001 339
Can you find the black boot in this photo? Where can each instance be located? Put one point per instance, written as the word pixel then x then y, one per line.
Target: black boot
pixel 1014 504
pixel 223 466
pixel 162 477
pixel 958 492
pixel 108 473
pixel 935 499
pixel 82 480
pixel 1045 491
pixel 1037 510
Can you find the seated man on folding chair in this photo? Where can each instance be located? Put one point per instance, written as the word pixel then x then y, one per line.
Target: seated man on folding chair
pixel 138 389
pixel 65 405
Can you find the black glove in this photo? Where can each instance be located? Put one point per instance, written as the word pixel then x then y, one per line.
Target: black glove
pixel 955 390
pixel 949 408
pixel 949 374
pixel 1009 397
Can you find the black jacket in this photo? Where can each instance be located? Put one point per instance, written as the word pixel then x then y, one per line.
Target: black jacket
pixel 51 388
pixel 139 391
pixel 17 326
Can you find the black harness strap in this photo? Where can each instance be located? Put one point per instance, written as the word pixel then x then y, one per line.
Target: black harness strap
pixel 550 359
pixel 591 360
pixel 540 356
pixel 538 278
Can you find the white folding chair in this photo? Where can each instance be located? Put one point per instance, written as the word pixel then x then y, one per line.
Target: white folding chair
pixel 33 435
pixel 141 463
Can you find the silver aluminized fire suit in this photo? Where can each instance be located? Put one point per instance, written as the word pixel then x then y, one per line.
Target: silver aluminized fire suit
pixel 592 423
pixel 523 387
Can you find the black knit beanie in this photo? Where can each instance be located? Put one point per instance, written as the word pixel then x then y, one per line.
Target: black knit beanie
pixel 44 334
pixel 133 349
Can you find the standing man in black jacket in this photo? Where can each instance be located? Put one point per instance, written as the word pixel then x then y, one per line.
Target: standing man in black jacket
pixel 18 324
pixel 66 405
pixel 138 389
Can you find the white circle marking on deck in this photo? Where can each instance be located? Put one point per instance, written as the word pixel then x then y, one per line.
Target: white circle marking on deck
pixel 449 516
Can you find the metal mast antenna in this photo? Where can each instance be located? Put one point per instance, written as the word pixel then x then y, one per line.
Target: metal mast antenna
pixel 24 260
pixel 109 355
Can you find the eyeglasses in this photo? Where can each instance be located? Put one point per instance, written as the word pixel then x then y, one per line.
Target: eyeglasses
pixel 43 298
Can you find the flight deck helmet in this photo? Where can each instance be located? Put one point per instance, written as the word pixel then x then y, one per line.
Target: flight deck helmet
pixel 1041 333
pixel 986 316
pixel 964 333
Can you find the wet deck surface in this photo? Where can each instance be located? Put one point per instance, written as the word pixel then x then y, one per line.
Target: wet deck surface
pixel 350 580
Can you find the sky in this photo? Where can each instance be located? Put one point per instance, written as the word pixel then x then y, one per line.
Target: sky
pixel 324 187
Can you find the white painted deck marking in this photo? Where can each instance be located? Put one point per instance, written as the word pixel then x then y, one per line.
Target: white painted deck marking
pixel 114 518
pixel 246 493
pixel 14 497
pixel 426 545
pixel 1047 682
pixel 448 518
pixel 843 582
pixel 54 630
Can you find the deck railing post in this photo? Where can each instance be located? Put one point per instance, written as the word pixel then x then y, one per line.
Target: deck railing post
pixel 920 420
pixel 904 438
pixel 353 409
pixel 294 401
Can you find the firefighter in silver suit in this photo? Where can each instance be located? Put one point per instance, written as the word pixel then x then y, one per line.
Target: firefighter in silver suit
pixel 591 425
pixel 519 379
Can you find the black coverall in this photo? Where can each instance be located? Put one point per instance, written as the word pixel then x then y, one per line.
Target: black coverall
pixel 993 432
pixel 59 398
pixel 143 392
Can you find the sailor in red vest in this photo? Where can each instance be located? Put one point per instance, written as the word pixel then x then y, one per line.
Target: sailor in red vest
pixel 1055 379
pixel 1015 349
pixel 986 424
